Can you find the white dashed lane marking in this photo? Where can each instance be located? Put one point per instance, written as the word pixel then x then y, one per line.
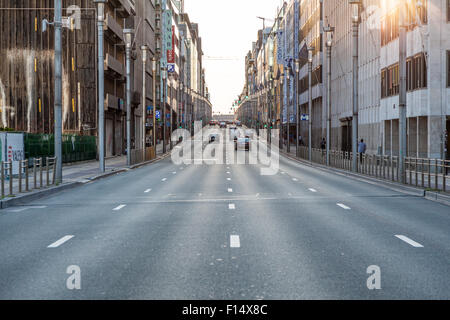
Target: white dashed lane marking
pixel 119 207
pixel 235 242
pixel 312 190
pixel 230 190
pixel 409 241
pixel 343 206
pixel 165 179
pixel 148 190
pixel 232 206
pixel 60 242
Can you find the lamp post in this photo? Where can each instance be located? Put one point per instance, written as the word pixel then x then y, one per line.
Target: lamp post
pixel 58 90
pixel 310 62
pixel 297 127
pixel 281 111
pixel 128 35
pixel 154 101
pixel 163 93
pixel 144 49
pixel 329 42
pixel 402 92
pixel 101 83
pixel 288 113
pixel 355 23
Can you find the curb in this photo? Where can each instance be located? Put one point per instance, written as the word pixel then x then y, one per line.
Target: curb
pixel 25 198
pixel 385 183
pixel 438 197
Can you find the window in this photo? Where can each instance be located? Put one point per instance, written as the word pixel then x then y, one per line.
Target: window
pixel 448 10
pixel 383 84
pixel 448 66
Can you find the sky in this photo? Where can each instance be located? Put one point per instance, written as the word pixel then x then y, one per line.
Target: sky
pixel 227 29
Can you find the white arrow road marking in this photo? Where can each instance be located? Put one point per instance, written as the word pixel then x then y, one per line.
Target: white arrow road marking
pixel 343 206
pixel 409 241
pixel 60 242
pixel 235 242
pixel 119 207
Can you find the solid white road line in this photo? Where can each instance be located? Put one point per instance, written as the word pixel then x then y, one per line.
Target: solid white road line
pixel 148 190
pixel 312 190
pixel 230 190
pixel 235 242
pixel 60 242
pixel 232 206
pixel 27 208
pixel 409 241
pixel 343 206
pixel 119 207
pixel 164 179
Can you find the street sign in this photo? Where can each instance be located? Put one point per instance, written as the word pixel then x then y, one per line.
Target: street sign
pixel 168 29
pixel 158 114
pixel 304 117
pixel 171 67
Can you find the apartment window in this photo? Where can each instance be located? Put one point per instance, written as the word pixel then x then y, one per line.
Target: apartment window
pixel 409 81
pixel 383 83
pixel 448 10
pixel 448 65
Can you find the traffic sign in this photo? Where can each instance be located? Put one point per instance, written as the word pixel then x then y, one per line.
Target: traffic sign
pixel 304 117
pixel 171 67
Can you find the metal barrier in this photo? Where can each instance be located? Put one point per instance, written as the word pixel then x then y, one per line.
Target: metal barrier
pixel 23 176
pixel 421 172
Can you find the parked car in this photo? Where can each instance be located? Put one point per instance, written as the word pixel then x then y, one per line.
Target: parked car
pixel 223 125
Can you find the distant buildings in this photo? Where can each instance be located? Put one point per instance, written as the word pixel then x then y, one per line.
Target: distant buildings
pixel 26 70
pixel 428 75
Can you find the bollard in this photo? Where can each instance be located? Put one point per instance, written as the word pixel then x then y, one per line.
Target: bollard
pixel 20 176
pixel 34 173
pixel 3 179
pixel 54 171
pixel 436 174
pixel 10 178
pixel 40 171
pixel 48 178
pixel 27 186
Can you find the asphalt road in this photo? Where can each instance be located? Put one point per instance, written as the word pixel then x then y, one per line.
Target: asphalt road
pixel 226 232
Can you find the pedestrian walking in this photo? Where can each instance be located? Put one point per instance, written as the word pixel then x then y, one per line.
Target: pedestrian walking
pixel 323 145
pixel 362 149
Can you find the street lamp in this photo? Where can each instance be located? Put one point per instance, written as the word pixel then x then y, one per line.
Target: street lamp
pixel 128 35
pixel 288 113
pixel 101 83
pixel 297 71
pixel 355 22
pixel 310 62
pixel 144 49
pixel 329 42
pixel 164 76
pixel 154 101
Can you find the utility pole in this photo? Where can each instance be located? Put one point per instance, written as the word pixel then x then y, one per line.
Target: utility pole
pixel 297 126
pixel 154 101
pixel 288 111
pixel 58 90
pixel 128 42
pixel 355 23
pixel 310 62
pixel 101 83
pixel 402 92
pixel 329 42
pixel 163 91
pixel 144 49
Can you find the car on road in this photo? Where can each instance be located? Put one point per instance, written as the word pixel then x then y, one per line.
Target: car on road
pixel 242 144
pixel 223 125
